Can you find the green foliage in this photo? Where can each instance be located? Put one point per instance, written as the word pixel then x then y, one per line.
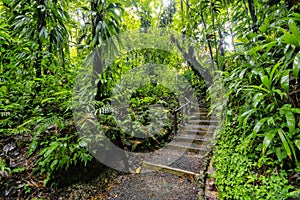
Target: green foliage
pixel 149 122
pixel 3 168
pixel 264 96
pixel 59 153
pixel 245 176
pixel 36 80
pixel 102 20
pixel 262 134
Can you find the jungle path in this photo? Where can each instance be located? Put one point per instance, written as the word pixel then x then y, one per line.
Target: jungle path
pixel 177 171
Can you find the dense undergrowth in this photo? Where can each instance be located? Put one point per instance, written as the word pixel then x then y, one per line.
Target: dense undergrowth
pixel 257 152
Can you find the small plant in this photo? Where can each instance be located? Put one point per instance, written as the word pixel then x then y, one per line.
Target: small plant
pixel 5 171
pixel 59 153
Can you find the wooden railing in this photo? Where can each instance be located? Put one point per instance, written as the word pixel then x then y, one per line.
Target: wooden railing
pixel 176 111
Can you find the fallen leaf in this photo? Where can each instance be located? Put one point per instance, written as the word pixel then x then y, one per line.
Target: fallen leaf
pixel 138 142
pixel 138 170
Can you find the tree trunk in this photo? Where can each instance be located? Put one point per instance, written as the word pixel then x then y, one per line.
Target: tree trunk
pixel 230 29
pixel 208 41
pixel 253 15
pixel 41 23
pixel 222 51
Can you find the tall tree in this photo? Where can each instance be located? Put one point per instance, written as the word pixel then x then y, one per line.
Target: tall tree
pixel 40 26
pixel 253 15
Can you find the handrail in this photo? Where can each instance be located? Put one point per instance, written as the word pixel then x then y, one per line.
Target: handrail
pixel 177 110
pixel 183 105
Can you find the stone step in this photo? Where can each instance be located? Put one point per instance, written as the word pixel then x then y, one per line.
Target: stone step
pixel 167 155
pixel 200 127
pixel 185 146
pixel 197 109
pixel 177 158
pixel 189 161
pixel 195 116
pixel 171 170
pixel 199 113
pixel 196 139
pixel 202 121
pixel 197 132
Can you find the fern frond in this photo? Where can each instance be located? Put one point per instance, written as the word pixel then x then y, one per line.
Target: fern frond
pixel 48 122
pixel 19 130
pixel 5 114
pixel 42 126
pixel 107 109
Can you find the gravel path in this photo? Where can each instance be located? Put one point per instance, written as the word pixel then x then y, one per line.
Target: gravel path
pixel 154 186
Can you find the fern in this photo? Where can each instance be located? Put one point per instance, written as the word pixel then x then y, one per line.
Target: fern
pixel 107 109
pixel 4 114
pixel 44 124
pixel 19 130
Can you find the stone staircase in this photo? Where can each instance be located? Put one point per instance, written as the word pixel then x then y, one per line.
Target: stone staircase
pixel 176 171
pixel 184 155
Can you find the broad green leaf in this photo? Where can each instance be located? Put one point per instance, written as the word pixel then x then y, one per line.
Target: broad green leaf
pixel 297 143
pixel 258 87
pixel 288 38
pixel 296 65
pixel 244 117
pixel 258 125
pixel 244 40
pixel 296 16
pixel 271 107
pixel 271 121
pixel 258 71
pixel 270 45
pixel 258 98
pixel 255 49
pixel 290 118
pixel 50 149
pixel 241 74
pixel 281 94
pixel 53 164
pixel 274 69
pixel 295 110
pixel 267 140
pixel 280 153
pixel 32 147
pixel 43 34
pixel 47 99
pixel 285 143
pixel 247 112
pixel 285 80
pixel 291 144
pixel 18 169
pixel 264 26
pixel 245 121
pixel 267 83
pixel 294 29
